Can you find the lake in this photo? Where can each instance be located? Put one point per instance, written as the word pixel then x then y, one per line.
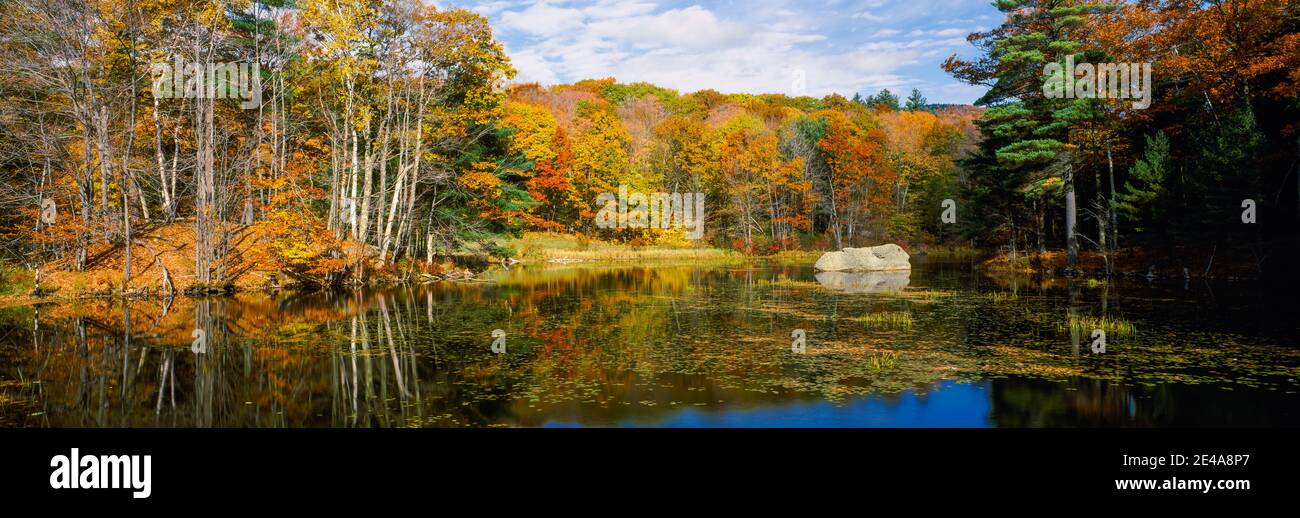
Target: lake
pixel 667 346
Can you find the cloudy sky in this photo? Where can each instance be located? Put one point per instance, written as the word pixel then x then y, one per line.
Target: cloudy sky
pixel 755 46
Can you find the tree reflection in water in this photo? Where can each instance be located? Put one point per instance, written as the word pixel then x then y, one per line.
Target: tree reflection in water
pixel 646 346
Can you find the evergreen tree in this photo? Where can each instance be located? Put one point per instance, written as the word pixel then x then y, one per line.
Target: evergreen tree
pixel 1142 193
pixel 884 98
pixel 1033 127
pixel 916 101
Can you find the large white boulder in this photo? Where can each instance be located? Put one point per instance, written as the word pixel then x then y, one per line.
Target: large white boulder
pixel 883 258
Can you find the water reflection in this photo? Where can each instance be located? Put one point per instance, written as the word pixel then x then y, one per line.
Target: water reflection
pixel 670 346
pixel 864 282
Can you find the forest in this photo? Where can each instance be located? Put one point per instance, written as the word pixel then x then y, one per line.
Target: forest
pixel 378 138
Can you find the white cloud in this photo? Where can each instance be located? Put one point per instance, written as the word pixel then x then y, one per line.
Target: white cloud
pixel 690 28
pixel 543 20
pixel 755 46
pixel 868 17
pixel 532 67
pixel 941 33
pixel 606 9
pixel 491 8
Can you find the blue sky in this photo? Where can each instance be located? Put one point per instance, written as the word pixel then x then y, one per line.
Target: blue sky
pixel 754 46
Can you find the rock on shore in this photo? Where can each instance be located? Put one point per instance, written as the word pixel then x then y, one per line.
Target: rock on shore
pixel 883 258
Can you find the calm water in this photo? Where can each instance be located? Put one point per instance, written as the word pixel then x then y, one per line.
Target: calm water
pixel 666 346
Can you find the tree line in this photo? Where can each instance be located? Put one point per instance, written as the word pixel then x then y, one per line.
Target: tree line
pixel 1209 165
pixel 779 172
pixel 388 134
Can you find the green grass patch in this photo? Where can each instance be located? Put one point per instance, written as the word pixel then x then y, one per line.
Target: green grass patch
pixel 953 253
pixel 1111 325
pixel 15 280
pixel 1003 296
pixel 888 320
pixel 540 246
pixel 883 361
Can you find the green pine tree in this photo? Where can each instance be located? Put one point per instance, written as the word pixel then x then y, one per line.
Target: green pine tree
pixel 1031 128
pixel 884 98
pixel 1139 200
pixel 916 101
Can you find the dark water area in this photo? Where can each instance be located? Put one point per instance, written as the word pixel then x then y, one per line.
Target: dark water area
pixel 668 346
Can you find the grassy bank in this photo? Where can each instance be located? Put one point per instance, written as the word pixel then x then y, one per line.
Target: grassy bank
pixel 560 248
pixel 1209 263
pixel 541 247
pixel 165 253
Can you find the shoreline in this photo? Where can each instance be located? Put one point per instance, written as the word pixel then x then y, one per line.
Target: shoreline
pixel 991 264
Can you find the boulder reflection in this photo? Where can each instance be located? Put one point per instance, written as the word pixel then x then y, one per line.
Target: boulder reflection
pixel 638 346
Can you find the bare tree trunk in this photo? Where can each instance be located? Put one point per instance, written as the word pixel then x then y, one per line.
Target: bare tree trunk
pixel 105 169
pixel 171 189
pixel 86 190
pixel 335 207
pixel 352 187
pixel 413 171
pixel 206 219
pixel 126 183
pixel 1071 240
pixel 162 169
pixel 366 192
pixel 392 214
pixel 835 219
pixel 1110 207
